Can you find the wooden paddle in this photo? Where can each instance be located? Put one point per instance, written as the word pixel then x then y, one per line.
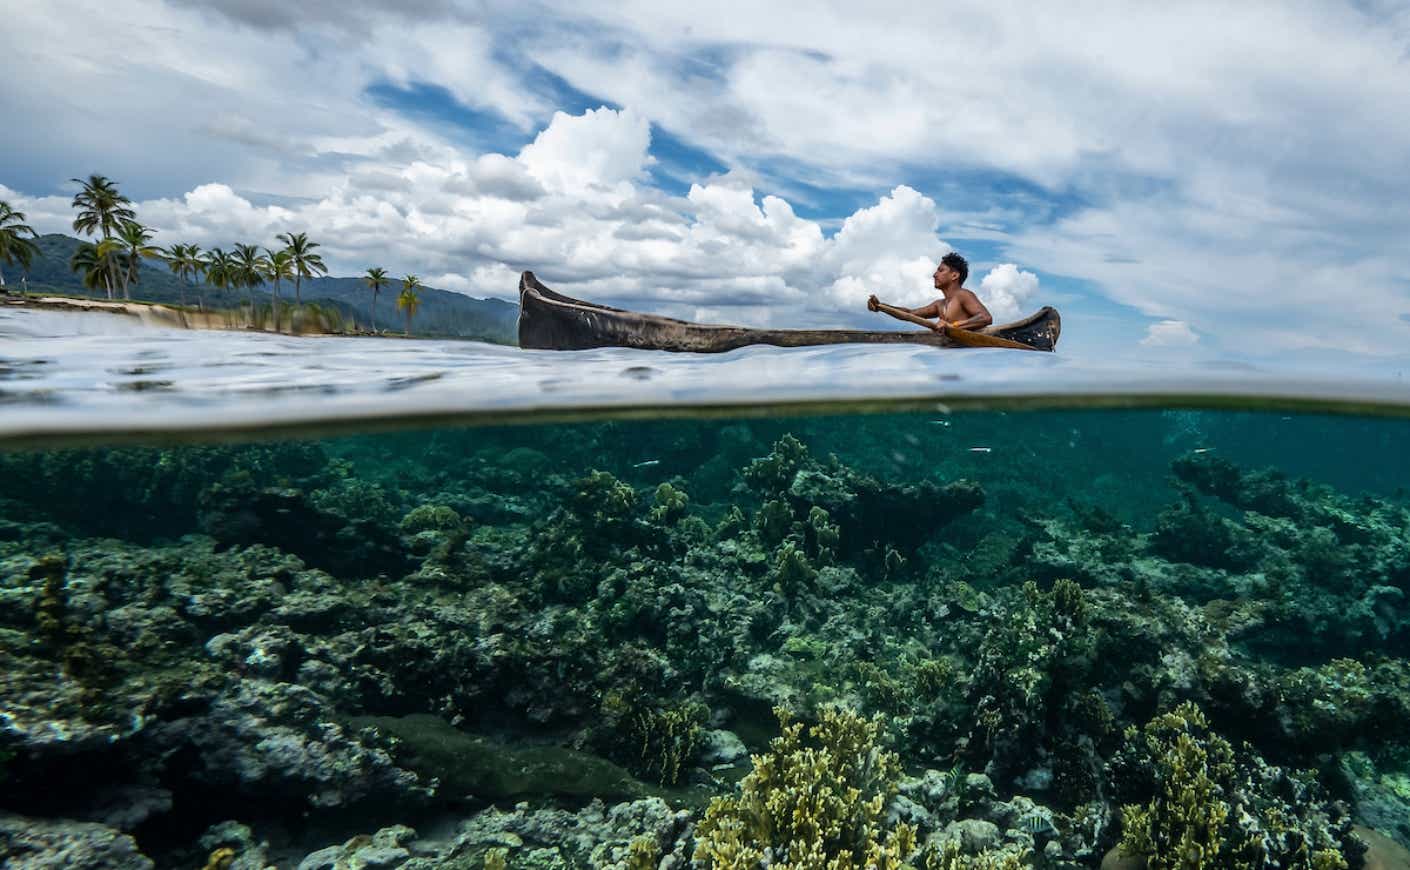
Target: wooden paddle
pixel 962 337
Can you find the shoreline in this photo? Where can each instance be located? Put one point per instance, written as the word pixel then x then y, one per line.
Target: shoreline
pixel 157 314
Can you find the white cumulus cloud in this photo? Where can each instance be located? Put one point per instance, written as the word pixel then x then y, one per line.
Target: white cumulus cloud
pixel 1169 333
pixel 601 149
pixel 1006 291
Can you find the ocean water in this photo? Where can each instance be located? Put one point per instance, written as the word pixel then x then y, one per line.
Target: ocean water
pixel 295 603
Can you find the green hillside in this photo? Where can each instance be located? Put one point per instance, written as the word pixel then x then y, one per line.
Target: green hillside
pixel 442 312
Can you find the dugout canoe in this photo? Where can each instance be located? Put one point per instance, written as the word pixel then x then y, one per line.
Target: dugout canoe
pixel 548 320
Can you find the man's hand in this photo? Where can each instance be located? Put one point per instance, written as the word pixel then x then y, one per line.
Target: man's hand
pixel 873 304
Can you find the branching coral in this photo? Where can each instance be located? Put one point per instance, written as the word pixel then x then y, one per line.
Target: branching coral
pixel 669 738
pixel 1028 660
pixel 792 573
pixel 601 500
pixel 817 802
pixel 952 857
pixel 669 505
pixel 1211 807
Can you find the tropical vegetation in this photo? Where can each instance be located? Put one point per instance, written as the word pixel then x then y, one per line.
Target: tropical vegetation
pixel 101 210
pixel 376 278
pixel 407 300
pixel 185 262
pixel 306 262
pixel 15 244
pixel 115 243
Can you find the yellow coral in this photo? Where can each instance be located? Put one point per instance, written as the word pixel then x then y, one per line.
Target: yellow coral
pixel 952 857
pixel 811 804
pixel 643 853
pixel 220 859
pixel 496 859
pixel 1181 828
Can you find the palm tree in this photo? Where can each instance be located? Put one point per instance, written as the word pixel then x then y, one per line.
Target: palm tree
pixel 376 278
pixel 278 266
pixel 407 300
pixel 185 262
pixel 220 269
pixel 306 263
pixel 100 208
pixel 249 270
pixel 94 267
pixel 14 247
pixel 136 244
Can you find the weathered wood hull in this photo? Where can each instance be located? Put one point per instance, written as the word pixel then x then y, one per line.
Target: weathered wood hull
pixel 551 321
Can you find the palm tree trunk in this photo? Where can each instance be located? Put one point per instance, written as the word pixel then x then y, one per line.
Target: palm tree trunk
pixel 374 312
pixel 276 307
pixel 298 297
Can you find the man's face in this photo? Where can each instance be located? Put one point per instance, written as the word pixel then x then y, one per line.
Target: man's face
pixel 943 275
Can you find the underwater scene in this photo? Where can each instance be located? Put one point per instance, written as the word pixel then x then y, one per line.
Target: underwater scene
pixel 981 639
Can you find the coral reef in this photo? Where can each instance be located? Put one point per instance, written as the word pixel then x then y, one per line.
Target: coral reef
pixel 557 646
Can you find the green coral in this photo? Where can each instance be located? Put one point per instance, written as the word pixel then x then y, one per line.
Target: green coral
pixel 817 802
pixel 792 573
pixel 670 504
pixel 431 517
pixel 775 472
pixel 601 500
pixel 774 521
pixel 1032 661
pixel 826 535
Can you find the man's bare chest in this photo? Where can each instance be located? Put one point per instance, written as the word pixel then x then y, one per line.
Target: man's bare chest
pixel 951 309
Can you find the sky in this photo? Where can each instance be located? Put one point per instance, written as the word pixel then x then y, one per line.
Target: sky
pixel 1204 181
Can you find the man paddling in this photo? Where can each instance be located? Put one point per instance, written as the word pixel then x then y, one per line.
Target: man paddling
pixel 957 306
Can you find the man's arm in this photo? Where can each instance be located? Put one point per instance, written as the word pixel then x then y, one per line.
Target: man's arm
pixel 931 310
pixel 976 315
pixel 906 314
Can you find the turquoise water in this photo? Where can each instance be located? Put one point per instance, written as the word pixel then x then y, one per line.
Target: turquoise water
pixel 947 632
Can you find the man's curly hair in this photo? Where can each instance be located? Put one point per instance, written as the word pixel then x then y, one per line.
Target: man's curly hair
pixel 958 263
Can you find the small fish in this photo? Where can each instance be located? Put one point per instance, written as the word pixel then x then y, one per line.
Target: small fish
pixel 940 422
pixel 1203 449
pixel 980 450
pixel 647 463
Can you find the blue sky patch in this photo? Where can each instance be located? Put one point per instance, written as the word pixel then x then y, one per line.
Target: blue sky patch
pixel 437 107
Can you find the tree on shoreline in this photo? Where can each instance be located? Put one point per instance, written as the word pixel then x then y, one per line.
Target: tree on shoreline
pixel 185 261
pixel 249 271
pixel 408 301
pixel 136 245
pixel 279 266
pixel 102 209
pixel 220 269
pixel 14 247
pixel 376 278
pixel 93 265
pixel 306 263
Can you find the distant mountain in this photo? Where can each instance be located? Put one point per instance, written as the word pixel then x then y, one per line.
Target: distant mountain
pixel 441 313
